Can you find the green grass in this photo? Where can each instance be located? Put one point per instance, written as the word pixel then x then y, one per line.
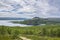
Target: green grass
pixel 5 37
pixel 47 32
pixel 35 37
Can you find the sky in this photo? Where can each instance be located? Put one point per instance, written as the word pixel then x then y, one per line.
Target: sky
pixel 30 8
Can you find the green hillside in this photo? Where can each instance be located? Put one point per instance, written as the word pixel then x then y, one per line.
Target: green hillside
pixel 47 32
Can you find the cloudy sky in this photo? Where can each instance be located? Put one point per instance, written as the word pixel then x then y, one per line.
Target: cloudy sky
pixel 29 8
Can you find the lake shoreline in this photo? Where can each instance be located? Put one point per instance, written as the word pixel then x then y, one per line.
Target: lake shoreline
pixel 9 23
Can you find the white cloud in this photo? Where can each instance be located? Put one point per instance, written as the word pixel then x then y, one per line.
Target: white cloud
pixel 26 9
pixel 4 6
pixel 39 8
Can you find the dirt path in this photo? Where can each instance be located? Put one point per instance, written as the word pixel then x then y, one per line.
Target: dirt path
pixel 24 38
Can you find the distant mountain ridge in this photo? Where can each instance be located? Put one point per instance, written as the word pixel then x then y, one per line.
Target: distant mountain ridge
pixel 13 18
pixel 10 18
pixel 53 19
pixel 37 21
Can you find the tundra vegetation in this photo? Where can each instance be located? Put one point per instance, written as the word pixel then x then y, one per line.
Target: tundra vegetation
pixel 46 32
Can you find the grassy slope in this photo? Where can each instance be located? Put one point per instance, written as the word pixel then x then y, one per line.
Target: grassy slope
pixel 35 37
pixel 32 32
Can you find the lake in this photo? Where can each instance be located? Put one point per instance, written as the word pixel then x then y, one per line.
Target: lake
pixel 9 23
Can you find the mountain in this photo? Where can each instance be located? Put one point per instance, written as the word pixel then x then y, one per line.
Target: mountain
pixel 54 19
pixel 9 18
pixel 37 21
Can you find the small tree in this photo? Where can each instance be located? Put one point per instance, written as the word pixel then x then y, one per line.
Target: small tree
pixel 52 33
pixel 43 32
pixel 58 33
pixel 3 30
pixel 15 34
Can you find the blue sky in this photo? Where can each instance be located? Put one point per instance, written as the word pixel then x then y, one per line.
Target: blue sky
pixel 30 8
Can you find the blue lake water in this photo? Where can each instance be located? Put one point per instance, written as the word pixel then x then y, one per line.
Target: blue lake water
pixel 8 23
